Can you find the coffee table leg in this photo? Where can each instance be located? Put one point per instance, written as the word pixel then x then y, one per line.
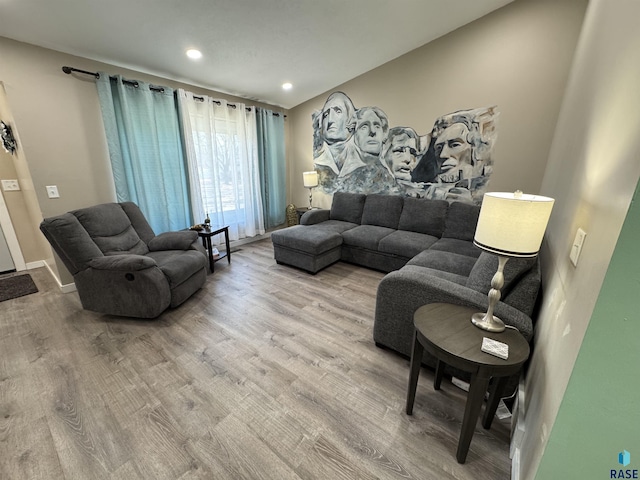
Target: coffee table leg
pixel 477 389
pixel 414 372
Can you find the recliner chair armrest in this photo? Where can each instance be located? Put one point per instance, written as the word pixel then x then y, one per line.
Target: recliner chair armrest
pixel 173 241
pixel 317 215
pixel 130 263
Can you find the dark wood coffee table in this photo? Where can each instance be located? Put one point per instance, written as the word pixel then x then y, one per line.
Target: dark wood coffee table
pixel 446 332
pixel 206 235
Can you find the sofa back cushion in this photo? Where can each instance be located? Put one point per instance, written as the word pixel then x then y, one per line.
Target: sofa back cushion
pixel 138 221
pixel 461 221
pixel 110 228
pixel 347 207
pixel 70 241
pixel 486 267
pixel 423 216
pixel 382 210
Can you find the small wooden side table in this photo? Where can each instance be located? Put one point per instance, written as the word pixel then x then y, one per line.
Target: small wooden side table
pixel 446 332
pixel 206 235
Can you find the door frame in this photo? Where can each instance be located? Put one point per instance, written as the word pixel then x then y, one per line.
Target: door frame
pixel 10 236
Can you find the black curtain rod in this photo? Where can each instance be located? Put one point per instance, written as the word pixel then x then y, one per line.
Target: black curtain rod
pixel 69 70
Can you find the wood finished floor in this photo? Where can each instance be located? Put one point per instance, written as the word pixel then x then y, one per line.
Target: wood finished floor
pixel 266 373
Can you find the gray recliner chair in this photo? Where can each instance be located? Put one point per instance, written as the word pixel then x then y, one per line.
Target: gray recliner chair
pixel 120 266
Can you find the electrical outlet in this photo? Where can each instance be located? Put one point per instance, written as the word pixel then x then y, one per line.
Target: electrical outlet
pixel 52 191
pixel 576 248
pixel 10 185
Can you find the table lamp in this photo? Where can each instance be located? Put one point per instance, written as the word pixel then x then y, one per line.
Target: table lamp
pixel 310 180
pixel 510 225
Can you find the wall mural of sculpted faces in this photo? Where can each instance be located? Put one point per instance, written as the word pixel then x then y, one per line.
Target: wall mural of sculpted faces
pixel 355 150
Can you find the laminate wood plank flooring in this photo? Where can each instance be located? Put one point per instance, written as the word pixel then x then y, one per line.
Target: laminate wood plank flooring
pixel 268 372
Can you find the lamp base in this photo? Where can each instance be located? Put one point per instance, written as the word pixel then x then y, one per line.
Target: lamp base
pixel 488 323
pixel 310 198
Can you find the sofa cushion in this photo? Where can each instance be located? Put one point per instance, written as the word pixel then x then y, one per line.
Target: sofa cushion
pixel 347 207
pixel 70 240
pixel 337 226
pixel 453 245
pixel 365 236
pixel 452 277
pixel 117 244
pixel 382 210
pixel 111 230
pixel 524 292
pixel 138 221
pixel 423 216
pixel 178 265
pixel 486 267
pixel 406 244
pixel 444 261
pixel 309 239
pixel 461 221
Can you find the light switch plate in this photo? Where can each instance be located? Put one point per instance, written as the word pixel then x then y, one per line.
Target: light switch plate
pixel 52 191
pixel 576 248
pixel 10 185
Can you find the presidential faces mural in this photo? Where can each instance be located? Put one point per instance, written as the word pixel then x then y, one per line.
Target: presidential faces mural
pixel 356 150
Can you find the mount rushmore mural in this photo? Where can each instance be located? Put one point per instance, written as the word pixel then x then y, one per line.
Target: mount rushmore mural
pixel 355 150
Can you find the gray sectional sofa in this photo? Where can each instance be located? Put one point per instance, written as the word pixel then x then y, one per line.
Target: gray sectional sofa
pixel 426 246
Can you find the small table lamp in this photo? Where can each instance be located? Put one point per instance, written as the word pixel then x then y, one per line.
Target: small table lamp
pixel 510 225
pixel 310 180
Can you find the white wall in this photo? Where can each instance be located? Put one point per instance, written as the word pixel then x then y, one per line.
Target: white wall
pixel 592 172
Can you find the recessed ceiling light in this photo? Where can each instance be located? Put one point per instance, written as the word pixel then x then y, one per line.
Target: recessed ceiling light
pixel 194 54
pixel 287 86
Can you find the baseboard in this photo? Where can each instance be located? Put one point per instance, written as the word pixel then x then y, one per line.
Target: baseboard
pixel 36 264
pixel 515 465
pixel 517 430
pixel 67 288
pixel 244 241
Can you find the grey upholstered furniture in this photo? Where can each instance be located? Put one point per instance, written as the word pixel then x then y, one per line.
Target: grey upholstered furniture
pixel 382 232
pixel 120 266
pixel 426 245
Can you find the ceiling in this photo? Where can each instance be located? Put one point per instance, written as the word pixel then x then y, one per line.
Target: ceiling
pixel 250 47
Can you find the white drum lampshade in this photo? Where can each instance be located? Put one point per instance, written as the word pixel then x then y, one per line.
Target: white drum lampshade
pixel 512 224
pixel 310 179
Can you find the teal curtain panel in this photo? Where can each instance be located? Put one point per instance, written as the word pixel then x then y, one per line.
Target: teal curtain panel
pixel 271 156
pixel 146 151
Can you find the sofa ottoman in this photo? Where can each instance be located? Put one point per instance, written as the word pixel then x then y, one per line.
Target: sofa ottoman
pixel 310 248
